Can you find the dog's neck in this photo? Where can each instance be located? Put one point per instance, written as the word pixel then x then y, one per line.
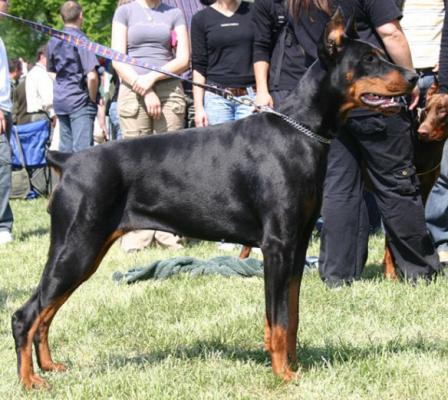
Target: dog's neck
pixel 315 102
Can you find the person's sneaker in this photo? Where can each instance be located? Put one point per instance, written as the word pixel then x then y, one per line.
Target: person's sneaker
pixel 5 237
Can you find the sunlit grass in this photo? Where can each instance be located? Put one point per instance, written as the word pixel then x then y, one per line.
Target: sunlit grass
pixel 201 338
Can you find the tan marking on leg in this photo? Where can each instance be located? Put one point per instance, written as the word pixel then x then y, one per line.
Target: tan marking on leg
pixel 389 265
pixel 26 374
pixel 279 355
pixel 46 362
pixel 245 252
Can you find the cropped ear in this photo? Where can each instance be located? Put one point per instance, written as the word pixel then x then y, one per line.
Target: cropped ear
pixel 332 40
pixel 350 28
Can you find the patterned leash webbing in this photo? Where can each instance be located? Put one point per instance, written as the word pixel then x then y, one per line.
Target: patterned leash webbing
pixel 113 55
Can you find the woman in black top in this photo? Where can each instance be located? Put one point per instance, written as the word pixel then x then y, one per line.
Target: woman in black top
pixel 222 38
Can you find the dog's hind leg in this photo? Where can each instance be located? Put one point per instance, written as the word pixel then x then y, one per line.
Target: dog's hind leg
pixel 68 267
pixel 43 354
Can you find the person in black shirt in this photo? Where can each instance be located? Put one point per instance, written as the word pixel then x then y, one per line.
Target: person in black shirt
pixel 279 59
pixel 222 38
pixel 381 144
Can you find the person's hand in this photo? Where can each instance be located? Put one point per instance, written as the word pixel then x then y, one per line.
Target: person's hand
pixel 53 121
pixel 144 83
pixel 436 68
pixel 264 99
pixel 200 118
pixel 153 105
pixel 415 97
pixel 2 123
pixel 104 131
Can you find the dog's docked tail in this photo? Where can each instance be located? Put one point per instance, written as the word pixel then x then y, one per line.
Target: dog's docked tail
pixel 57 160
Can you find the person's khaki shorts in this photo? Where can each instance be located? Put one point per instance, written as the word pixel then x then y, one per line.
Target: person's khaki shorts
pixel 134 120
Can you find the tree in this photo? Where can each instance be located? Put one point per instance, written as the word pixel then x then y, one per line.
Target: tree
pixel 22 41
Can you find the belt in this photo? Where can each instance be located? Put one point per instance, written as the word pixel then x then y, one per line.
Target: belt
pixel 241 91
pixel 236 91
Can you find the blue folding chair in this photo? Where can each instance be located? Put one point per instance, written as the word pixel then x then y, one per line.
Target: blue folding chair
pixel 32 140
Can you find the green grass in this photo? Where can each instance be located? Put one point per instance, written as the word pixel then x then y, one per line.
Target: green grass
pixel 201 338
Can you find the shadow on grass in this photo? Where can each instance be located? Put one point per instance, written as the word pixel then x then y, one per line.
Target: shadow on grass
pixel 373 272
pixel 200 350
pixel 310 357
pixel 318 357
pixel 35 232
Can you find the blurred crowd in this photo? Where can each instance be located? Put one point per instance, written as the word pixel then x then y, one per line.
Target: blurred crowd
pixel 257 50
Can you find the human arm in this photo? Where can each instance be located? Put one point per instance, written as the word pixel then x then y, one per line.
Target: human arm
pixel 92 84
pixel 396 43
pixel 263 97
pixel 3 123
pixel 263 26
pixel 200 117
pixel 101 115
pixel 199 58
pixel 397 47
pixel 384 16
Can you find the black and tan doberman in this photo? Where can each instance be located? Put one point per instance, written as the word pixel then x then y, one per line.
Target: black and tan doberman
pixel 256 181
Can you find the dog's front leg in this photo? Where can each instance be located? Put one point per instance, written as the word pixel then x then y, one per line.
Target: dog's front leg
pixel 281 292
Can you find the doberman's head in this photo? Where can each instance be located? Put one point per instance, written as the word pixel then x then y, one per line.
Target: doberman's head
pixel 434 118
pixel 360 74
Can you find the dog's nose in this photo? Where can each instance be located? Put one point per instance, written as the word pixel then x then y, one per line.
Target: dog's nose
pixel 423 132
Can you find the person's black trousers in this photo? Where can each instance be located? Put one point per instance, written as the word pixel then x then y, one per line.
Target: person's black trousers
pixel 384 146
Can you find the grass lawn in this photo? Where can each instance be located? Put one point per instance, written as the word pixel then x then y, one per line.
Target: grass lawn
pixel 201 338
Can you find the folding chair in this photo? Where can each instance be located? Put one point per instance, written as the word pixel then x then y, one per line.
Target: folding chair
pixel 29 143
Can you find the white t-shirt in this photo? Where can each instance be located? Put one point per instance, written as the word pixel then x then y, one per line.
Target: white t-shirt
pixel 5 85
pixel 422 24
pixel 39 90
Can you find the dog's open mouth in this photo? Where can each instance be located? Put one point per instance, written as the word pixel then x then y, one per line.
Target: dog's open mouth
pixel 386 104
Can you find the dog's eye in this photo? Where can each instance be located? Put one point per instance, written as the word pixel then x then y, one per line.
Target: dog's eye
pixel 370 58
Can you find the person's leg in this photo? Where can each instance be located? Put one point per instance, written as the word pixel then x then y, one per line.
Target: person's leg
pixel 345 230
pixel 114 120
pixel 172 97
pixel 134 122
pixel 65 134
pixel 388 155
pixel 6 217
pixel 82 123
pixel 218 109
pixel 436 211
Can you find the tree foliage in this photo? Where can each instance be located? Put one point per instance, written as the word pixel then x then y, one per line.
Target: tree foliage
pixel 22 41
